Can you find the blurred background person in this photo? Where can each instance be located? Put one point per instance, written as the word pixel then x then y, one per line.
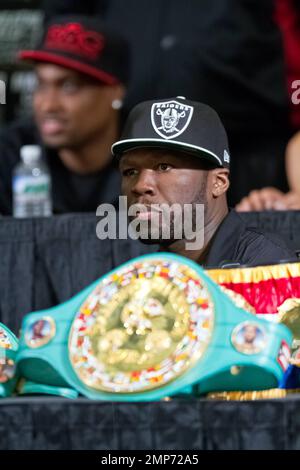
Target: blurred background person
pixel 225 53
pixel 81 71
pixel 272 198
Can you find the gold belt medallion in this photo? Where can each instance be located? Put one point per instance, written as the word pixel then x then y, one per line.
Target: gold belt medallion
pixel 142 327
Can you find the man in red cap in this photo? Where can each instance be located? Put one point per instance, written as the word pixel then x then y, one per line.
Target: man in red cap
pixel 81 69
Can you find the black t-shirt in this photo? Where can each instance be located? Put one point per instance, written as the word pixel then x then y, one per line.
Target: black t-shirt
pixel 236 244
pixel 70 192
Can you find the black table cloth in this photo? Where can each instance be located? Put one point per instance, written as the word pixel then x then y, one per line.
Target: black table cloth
pixel 61 424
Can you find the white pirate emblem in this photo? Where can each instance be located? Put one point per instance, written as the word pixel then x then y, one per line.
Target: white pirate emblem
pixel 170 119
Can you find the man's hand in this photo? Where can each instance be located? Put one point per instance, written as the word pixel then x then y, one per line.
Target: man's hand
pixel 261 200
pixel 289 202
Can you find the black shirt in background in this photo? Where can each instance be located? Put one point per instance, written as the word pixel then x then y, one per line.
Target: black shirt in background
pixel 237 244
pixel 70 192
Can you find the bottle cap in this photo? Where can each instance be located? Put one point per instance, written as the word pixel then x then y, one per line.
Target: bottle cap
pixel 30 154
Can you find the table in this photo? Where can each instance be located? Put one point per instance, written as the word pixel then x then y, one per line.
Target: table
pixel 31 423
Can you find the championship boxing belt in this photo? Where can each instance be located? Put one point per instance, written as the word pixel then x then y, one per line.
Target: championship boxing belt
pixel 155 327
pixel 8 348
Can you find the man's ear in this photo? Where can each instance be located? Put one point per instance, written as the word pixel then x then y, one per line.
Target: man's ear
pixel 119 92
pixel 220 181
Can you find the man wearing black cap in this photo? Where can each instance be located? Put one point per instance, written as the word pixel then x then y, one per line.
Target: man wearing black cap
pixel 81 68
pixel 175 151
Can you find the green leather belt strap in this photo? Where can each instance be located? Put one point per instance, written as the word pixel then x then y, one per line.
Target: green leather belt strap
pixel 156 326
pixel 31 388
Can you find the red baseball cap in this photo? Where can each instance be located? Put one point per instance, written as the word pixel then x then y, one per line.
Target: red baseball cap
pixel 83 44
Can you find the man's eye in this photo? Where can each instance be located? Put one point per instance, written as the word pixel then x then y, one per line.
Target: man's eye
pixel 69 87
pixel 164 167
pixel 129 172
pixel 39 86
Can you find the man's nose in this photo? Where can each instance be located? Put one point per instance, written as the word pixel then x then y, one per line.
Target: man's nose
pixel 145 183
pixel 49 101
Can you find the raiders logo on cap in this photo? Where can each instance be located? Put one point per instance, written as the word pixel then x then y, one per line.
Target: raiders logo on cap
pixel 170 119
pixel 176 124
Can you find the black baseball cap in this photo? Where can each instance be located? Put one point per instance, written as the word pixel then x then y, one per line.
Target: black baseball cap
pixel 176 124
pixel 84 44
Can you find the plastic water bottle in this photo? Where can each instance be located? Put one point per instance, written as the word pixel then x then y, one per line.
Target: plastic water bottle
pixel 31 185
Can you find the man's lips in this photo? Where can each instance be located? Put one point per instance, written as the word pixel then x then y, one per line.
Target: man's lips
pixel 144 215
pixel 147 212
pixel 52 126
